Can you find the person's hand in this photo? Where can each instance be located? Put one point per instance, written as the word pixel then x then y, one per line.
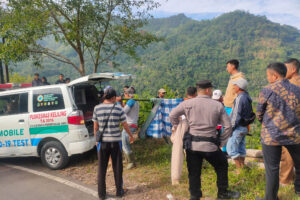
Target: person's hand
pixel 131 139
pixel 174 129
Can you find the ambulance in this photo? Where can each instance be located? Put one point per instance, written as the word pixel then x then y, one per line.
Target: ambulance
pixel 51 122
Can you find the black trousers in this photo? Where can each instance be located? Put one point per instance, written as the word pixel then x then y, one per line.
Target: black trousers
pixel 272 157
pixel 113 150
pixel 194 163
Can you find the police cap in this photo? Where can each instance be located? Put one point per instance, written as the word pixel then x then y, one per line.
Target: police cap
pixel 204 84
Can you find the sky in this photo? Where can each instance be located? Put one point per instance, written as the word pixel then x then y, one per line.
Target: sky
pixel 280 11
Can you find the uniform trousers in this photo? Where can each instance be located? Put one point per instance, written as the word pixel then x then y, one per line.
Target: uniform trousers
pixel 194 163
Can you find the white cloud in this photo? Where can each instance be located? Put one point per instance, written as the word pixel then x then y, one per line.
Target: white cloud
pixel 273 9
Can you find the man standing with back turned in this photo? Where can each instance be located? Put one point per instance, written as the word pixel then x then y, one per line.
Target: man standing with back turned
pixel 203 115
pixel 286 174
pixel 107 118
pixel 278 111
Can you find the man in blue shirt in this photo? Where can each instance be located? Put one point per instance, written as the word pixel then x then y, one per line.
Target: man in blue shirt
pixel 131 110
pixel 241 112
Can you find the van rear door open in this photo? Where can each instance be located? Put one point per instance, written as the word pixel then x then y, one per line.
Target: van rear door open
pixel 85 93
pixel 100 77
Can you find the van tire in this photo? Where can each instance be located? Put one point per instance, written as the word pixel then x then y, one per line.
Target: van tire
pixel 54 155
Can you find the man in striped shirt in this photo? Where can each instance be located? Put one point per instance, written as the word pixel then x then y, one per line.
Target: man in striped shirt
pixel 111 145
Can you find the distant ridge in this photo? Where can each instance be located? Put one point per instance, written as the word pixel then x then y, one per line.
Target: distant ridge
pixel 194 50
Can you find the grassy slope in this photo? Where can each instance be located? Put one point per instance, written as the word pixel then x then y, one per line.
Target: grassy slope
pixel 154 164
pixel 152 176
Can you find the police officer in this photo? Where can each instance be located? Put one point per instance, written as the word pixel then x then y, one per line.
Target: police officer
pixel 201 142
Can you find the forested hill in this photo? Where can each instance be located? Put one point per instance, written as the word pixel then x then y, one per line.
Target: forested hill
pixel 194 50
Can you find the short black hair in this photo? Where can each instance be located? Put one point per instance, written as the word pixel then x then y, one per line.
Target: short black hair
pixel 126 86
pixel 295 62
pixel 110 93
pixel 191 91
pixel 61 75
pixel 278 67
pixel 234 62
pixel 36 74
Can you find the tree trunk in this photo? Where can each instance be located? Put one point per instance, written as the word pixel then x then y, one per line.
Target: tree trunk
pixel 95 68
pixel 82 66
pixel 1 72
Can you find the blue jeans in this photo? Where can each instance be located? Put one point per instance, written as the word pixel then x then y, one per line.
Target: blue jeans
pixel 236 145
pixel 125 140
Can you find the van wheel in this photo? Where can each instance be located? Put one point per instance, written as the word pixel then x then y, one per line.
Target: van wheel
pixel 54 155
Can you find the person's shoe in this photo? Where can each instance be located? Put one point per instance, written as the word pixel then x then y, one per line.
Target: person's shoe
pixel 194 198
pixel 258 198
pixel 131 163
pixel 102 197
pixel 122 193
pixel 229 195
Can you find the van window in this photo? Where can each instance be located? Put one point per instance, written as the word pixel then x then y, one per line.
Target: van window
pixel 47 100
pixel 14 104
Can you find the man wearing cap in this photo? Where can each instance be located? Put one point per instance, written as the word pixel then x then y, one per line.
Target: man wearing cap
pixel 107 118
pixel 241 114
pixel 161 93
pixel 203 114
pixel 217 95
pixel 131 110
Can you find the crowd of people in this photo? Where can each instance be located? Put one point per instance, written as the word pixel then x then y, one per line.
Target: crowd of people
pixel 212 127
pixel 43 81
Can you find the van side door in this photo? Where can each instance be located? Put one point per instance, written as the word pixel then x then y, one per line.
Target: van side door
pixel 14 129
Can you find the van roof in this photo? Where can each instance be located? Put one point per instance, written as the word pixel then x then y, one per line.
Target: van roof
pixel 89 79
pixel 32 88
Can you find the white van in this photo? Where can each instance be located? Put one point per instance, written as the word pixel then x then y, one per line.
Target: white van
pixel 53 122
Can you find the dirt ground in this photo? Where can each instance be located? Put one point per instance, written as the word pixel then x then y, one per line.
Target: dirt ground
pixel 84 169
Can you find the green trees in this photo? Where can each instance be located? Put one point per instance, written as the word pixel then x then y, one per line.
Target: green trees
pixel 192 50
pixel 195 50
pixel 93 29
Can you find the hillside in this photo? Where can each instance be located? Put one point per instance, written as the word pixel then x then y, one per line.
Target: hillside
pixel 194 50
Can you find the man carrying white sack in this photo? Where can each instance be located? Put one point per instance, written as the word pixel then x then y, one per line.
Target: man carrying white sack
pixel 176 138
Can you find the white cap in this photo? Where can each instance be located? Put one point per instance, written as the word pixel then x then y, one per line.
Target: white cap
pixel 162 90
pixel 241 83
pixel 217 94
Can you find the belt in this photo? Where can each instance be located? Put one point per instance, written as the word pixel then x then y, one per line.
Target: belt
pixel 188 139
